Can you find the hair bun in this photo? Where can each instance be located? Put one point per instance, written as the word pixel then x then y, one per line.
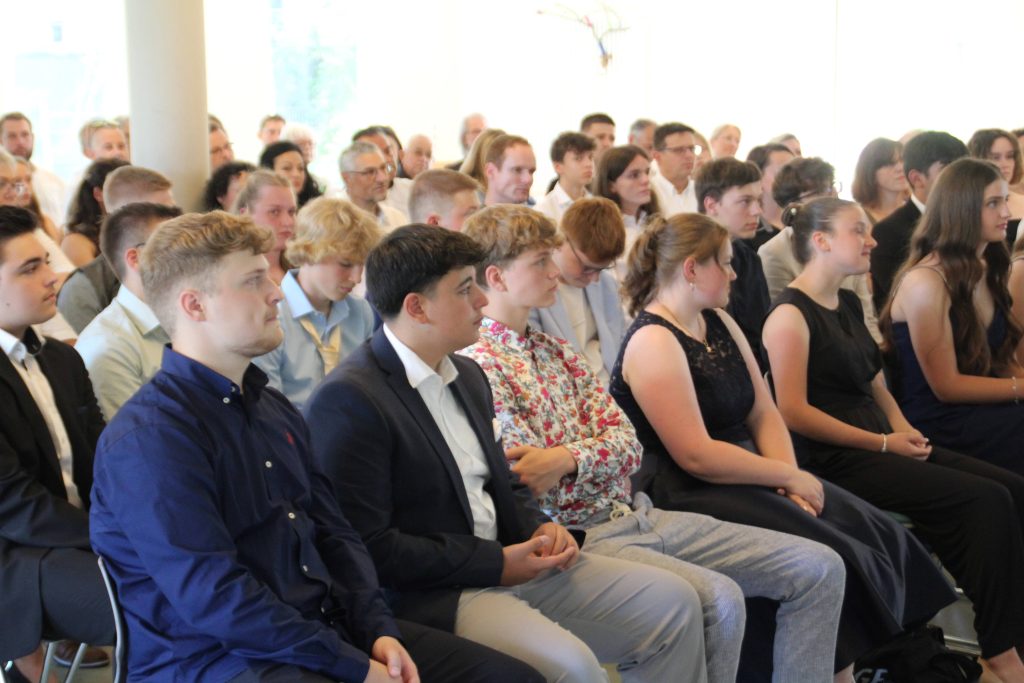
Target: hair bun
pixel 790 213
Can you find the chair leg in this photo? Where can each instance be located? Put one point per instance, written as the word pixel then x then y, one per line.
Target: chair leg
pixel 73 669
pixel 51 652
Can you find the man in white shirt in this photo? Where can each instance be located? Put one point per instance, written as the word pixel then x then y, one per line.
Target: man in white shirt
pixel 509 167
pixel 444 198
pixel 641 134
pixel 573 157
pixel 123 346
pixel 675 151
pixel 17 138
pixel 366 172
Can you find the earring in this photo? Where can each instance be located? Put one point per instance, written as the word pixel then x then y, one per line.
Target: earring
pixel 693 285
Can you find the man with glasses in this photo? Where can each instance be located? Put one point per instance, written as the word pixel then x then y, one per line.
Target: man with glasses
pixel 675 150
pixel 801 180
pixel 366 174
pixel 221 151
pixel 386 140
pixel 17 137
pixel 587 312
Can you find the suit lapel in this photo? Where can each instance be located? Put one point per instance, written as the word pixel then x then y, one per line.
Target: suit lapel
pixel 33 416
pixel 413 402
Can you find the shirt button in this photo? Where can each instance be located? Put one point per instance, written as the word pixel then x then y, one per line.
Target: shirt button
pixel 305 568
pixel 323 610
pixel 227 400
pixel 291 515
pixel 268 464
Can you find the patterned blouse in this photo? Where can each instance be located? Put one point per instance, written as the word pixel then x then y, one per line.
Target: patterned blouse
pixel 545 395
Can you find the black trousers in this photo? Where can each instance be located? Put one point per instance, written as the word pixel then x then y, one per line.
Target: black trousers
pixel 439 657
pixel 970 512
pixel 75 603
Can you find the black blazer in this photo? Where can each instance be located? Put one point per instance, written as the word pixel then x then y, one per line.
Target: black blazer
pixel 893 236
pixel 34 513
pixel 400 487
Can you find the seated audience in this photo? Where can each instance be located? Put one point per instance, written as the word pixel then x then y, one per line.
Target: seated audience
pixel 509 166
pixel 725 141
pixel 366 173
pixel 575 450
pixel 714 443
pixel 224 185
pixel 729 190
pixel 270 129
pixel 799 181
pixel 322 320
pixel 572 155
pixel 406 432
pixel 950 324
pixel 27 200
pixel 769 158
pixel 123 345
pixel 601 128
pixel 302 135
pixel 17 137
pixel 675 151
pixel 879 182
pixel 81 241
pixel 50 584
pixel 641 134
pixel 444 198
pixel 587 311
pixel 297 598
pixel 285 159
pixel 793 143
pixel 924 157
pixel 472 126
pixel 848 429
pixel 221 150
pixel 624 176
pixel 92 287
pixel 269 200
pixel 416 157
pixel 1003 149
pixel 473 164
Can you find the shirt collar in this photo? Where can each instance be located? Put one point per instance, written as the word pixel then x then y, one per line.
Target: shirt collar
pixel 138 311
pixel 917 202
pixel 505 335
pixel 668 187
pixel 299 305
pixel 416 369
pixel 17 349
pixel 211 381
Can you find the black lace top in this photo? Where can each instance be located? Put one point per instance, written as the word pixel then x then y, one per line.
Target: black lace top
pixel 725 395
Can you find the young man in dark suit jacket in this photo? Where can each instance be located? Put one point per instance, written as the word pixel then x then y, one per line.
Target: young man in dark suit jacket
pixel 49 424
pixel 924 157
pixel 406 432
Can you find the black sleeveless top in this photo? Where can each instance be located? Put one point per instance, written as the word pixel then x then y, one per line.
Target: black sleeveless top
pixel 725 395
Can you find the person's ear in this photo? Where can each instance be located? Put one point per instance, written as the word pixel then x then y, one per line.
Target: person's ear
pixel 690 269
pixel 711 206
pixel 131 258
pixel 433 219
pixel 820 241
pixel 191 302
pixel 415 306
pixel 917 180
pixel 495 278
pixel 559 167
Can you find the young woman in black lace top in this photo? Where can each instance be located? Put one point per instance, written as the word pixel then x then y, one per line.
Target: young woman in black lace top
pixel 714 442
pixel 848 429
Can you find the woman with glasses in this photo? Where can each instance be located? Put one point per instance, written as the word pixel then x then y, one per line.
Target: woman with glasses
pixel 624 176
pixel 1002 148
pixel 950 325
pixel 285 158
pixel 879 183
pixel 27 199
pixel 81 244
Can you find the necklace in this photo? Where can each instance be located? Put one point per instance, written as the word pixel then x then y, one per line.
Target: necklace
pixel 691 335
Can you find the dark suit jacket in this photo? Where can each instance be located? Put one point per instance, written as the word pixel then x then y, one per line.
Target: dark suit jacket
pixel 893 237
pixel 400 487
pixel 34 513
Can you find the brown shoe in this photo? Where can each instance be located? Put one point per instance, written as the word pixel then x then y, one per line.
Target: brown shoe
pixel 94 658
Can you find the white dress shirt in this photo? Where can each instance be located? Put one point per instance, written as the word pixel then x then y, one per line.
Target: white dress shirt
pixel 670 200
pixel 123 348
pixel 556 203
pixel 456 430
pixel 399 194
pixel 584 326
pixel 50 192
pixel 42 393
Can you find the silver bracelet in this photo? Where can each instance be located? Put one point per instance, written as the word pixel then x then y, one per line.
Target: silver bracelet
pixel 885 443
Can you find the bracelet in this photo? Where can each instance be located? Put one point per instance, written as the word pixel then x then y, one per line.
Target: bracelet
pixel 1016 396
pixel 885 443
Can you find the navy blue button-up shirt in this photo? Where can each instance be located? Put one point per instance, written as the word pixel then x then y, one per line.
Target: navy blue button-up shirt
pixel 224 540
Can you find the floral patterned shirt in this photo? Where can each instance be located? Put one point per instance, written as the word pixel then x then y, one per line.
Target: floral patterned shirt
pixel 545 395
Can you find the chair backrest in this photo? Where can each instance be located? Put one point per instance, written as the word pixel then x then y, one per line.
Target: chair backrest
pixel 120 649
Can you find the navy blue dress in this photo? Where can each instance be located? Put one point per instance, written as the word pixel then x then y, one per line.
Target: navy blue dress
pixel 892 583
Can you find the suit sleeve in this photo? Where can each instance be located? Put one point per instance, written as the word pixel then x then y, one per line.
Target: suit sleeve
pixel 354 446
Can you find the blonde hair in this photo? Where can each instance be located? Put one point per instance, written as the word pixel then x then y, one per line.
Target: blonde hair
pixel 473 165
pixel 328 227
pixel 186 251
pixel 505 231
pixel 254 184
pixel 662 247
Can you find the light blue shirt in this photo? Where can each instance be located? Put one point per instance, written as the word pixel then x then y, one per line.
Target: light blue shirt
pixel 295 367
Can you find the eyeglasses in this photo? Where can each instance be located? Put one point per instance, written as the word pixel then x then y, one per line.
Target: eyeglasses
pixel 681 149
pixel 587 270
pixel 16 185
pixel 386 169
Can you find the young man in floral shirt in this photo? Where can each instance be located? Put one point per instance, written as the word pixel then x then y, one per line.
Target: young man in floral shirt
pixel 575 449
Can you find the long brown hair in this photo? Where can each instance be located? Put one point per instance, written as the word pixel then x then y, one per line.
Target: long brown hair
pixel 659 250
pixel 951 229
pixel 613 164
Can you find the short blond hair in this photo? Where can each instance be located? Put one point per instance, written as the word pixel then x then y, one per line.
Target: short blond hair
pixel 186 251
pixel 254 184
pixel 328 227
pixel 505 231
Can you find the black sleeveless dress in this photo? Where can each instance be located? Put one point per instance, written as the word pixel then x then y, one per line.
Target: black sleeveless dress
pixel 892 584
pixel 970 512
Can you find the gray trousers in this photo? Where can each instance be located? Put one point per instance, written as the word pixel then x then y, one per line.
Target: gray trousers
pixel 725 562
pixel 564 624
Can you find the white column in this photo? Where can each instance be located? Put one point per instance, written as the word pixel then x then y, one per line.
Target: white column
pixel 167 93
